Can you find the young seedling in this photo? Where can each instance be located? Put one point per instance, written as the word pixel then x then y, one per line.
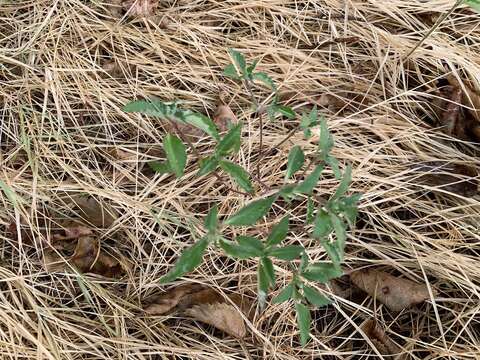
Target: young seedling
pixel 327 223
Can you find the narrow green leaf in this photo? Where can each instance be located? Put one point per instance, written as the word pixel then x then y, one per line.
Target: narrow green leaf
pixel 303 262
pixel 288 253
pixel 335 252
pixel 236 251
pixel 308 185
pixel 326 140
pixel 207 165
pixel 285 295
pixel 231 72
pixel 268 269
pixel 265 79
pixel 322 225
pixel 251 244
pixel 296 158
pixel 176 153
pixel 474 4
pixel 310 209
pixel 240 175
pixel 251 213
pixel 155 108
pixel 263 284
pixel 211 221
pixel 340 229
pixel 348 206
pixel 279 232
pixel 271 112
pixel 287 192
pixel 230 142
pixel 239 60
pixel 250 68
pixel 308 121
pixel 322 272
pixel 314 297
pixel 10 194
pixel 303 322
pixel 344 184
pixel 160 167
pixel 203 123
pixel 187 262
pixel 333 162
pixel 286 111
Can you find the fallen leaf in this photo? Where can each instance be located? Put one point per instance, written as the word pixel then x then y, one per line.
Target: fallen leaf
pixel 206 305
pixel 53 262
pixel 455 178
pixel 94 212
pixel 221 315
pixel 73 232
pixel 470 97
pixel 380 339
pixel 396 293
pixel 140 8
pixel 112 68
pixel 224 117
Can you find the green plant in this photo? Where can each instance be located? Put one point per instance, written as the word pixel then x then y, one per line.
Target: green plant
pixel 325 221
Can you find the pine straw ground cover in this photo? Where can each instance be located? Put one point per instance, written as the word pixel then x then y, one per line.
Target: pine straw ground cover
pixel 68 67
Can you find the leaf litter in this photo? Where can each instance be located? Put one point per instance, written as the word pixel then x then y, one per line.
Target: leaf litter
pixel 384 344
pixel 396 293
pixel 205 305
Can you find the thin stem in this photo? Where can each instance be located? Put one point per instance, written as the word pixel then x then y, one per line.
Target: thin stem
pixel 434 27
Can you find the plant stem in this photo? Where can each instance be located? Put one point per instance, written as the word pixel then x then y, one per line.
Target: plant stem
pixel 434 27
pixel 248 86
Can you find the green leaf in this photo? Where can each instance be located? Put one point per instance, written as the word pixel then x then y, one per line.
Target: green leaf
pixel 271 112
pixel 187 262
pixel 310 209
pixel 207 165
pixel 238 60
pixel 322 272
pixel 211 221
pixel 250 69
pixel 155 108
pixel 296 158
pixel 231 72
pixel 303 322
pixel 344 184
pixel 279 232
pixel 176 153
pixel 251 244
pixel 286 111
pixel 287 192
pixel 203 123
pixel 288 253
pixel 307 186
pixel 263 284
pixel 240 175
pixel 268 270
pixel 308 121
pixel 340 230
pixel 303 262
pixel 236 251
pixel 474 4
pixel 251 213
pixel 265 79
pixel 333 162
pixel 322 225
pixel 314 297
pixel 326 140
pixel 230 142
pixel 285 295
pixel 160 167
pixel 348 206
pixel 335 252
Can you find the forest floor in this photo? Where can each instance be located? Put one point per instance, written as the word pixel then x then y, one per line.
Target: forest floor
pixel 68 151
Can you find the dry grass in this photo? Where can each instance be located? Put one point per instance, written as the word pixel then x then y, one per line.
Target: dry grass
pixel 60 119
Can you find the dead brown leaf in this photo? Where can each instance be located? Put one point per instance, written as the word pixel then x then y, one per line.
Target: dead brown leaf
pixel 206 305
pixel 223 117
pixel 455 178
pixel 470 97
pixel 380 339
pixel 221 315
pixel 396 293
pixel 140 8
pixel 94 212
